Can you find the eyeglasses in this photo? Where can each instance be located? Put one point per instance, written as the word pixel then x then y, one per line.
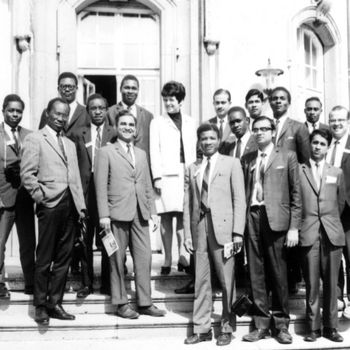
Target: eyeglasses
pixel 263 129
pixel 67 87
pixel 332 121
pixel 97 108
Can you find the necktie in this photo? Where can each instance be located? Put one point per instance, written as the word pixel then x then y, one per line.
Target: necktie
pixel 334 152
pixel 204 190
pixel 60 144
pixel 129 154
pixel 318 175
pixel 313 126
pixel 221 128
pixel 260 179
pixel 238 148
pixel 98 142
pixel 17 145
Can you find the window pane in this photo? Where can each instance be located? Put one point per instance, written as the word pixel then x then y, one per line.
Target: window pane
pixel 314 79
pixel 314 55
pixel 307 77
pixel 307 48
pixel 106 55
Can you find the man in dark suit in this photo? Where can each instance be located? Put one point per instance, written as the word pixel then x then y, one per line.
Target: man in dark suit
pixel 245 141
pixel 129 89
pixel 339 156
pixel 222 103
pixel 254 102
pixel 214 220
pixel 67 89
pixel 88 139
pixel 321 236
pixel 313 110
pixel 273 220
pixel 125 205
pixel 16 205
pixel 50 173
pixel 290 135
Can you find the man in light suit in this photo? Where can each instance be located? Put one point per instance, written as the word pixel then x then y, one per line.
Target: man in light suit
pixel 313 110
pixel 214 219
pixel 290 135
pixel 16 205
pixel 50 173
pixel 125 204
pixel 245 141
pixel 339 156
pixel 129 89
pixel 273 220
pixel 222 103
pixel 88 139
pixel 67 89
pixel 321 236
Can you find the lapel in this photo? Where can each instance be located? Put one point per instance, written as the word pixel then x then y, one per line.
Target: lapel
pixel 346 155
pixel 7 138
pixel 309 176
pixel 227 132
pixel 196 174
pixel 75 117
pixel 87 139
pixel 53 143
pixel 219 160
pixel 249 147
pixel 272 157
pixel 286 126
pixel 107 133
pixel 122 153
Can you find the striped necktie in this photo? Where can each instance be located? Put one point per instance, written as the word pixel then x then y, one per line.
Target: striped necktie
pixel 205 188
pixel 260 179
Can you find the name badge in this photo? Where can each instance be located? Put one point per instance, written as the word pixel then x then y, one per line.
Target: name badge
pixel 331 179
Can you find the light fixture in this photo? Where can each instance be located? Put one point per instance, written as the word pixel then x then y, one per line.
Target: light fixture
pixel 269 74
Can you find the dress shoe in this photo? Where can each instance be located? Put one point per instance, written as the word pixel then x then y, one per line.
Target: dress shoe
pixel 84 292
pixel 41 315
pixel 223 339
pixel 126 311
pixel 256 335
pixel 59 313
pixel 199 337
pixel 183 268
pixel 4 292
pixel 187 289
pixel 29 290
pixel 151 310
pixel 284 337
pixel 332 334
pixel 313 335
pixel 165 270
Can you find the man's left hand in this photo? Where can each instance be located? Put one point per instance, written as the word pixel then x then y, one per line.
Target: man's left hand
pixel 292 238
pixel 237 243
pixel 155 219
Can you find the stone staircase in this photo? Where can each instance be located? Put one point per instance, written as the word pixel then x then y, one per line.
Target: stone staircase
pixel 95 320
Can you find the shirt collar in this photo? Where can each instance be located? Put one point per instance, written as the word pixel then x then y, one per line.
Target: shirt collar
pixel 267 150
pixel 124 144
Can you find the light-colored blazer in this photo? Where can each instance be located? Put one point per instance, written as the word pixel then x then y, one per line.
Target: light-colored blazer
pixel 120 186
pixel 165 145
pixel 282 193
pixel 322 206
pixel 46 174
pixel 226 200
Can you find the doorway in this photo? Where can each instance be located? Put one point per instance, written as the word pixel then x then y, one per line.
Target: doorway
pixel 105 85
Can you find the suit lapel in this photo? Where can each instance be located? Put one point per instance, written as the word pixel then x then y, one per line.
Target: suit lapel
pixel 122 153
pixel 7 139
pixel 284 129
pixel 227 132
pixel 310 177
pixel 249 146
pixel 216 168
pixel 75 117
pixel 272 157
pixel 53 143
pixel 87 139
pixel 196 175
pixel 107 133
pixel 324 175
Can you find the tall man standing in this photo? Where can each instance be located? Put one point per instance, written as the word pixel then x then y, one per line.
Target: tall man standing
pixel 129 89
pixel 16 205
pixel 274 216
pixel 214 219
pixel 88 140
pixel 321 236
pixel 50 173
pixel 339 156
pixel 67 89
pixel 313 110
pixel 290 135
pixel 125 204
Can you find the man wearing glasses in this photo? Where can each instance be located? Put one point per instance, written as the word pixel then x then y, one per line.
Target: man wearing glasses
pixel 273 220
pixel 88 140
pixel 339 156
pixel 67 89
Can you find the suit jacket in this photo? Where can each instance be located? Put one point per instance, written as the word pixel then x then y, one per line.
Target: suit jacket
pixel 143 117
pixel 228 148
pixel 165 145
pixel 227 135
pixel 226 200
pixel 345 166
pixel 294 136
pixel 79 119
pixel 46 174
pixel 282 194
pixel 121 187
pixel 8 156
pixel 323 206
pixel 82 140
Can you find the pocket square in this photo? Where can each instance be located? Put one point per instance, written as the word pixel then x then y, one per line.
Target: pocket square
pixel 89 144
pixel 290 137
pixel 346 150
pixel 280 167
pixel 331 180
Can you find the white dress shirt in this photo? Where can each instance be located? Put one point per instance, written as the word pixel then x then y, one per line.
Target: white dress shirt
pixel 9 133
pixel 244 141
pixel 267 151
pixel 225 121
pixel 54 136
pixel 311 127
pixel 317 171
pixel 282 120
pixel 73 106
pixel 340 150
pixel 131 109
pixel 125 148
pixel 213 160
